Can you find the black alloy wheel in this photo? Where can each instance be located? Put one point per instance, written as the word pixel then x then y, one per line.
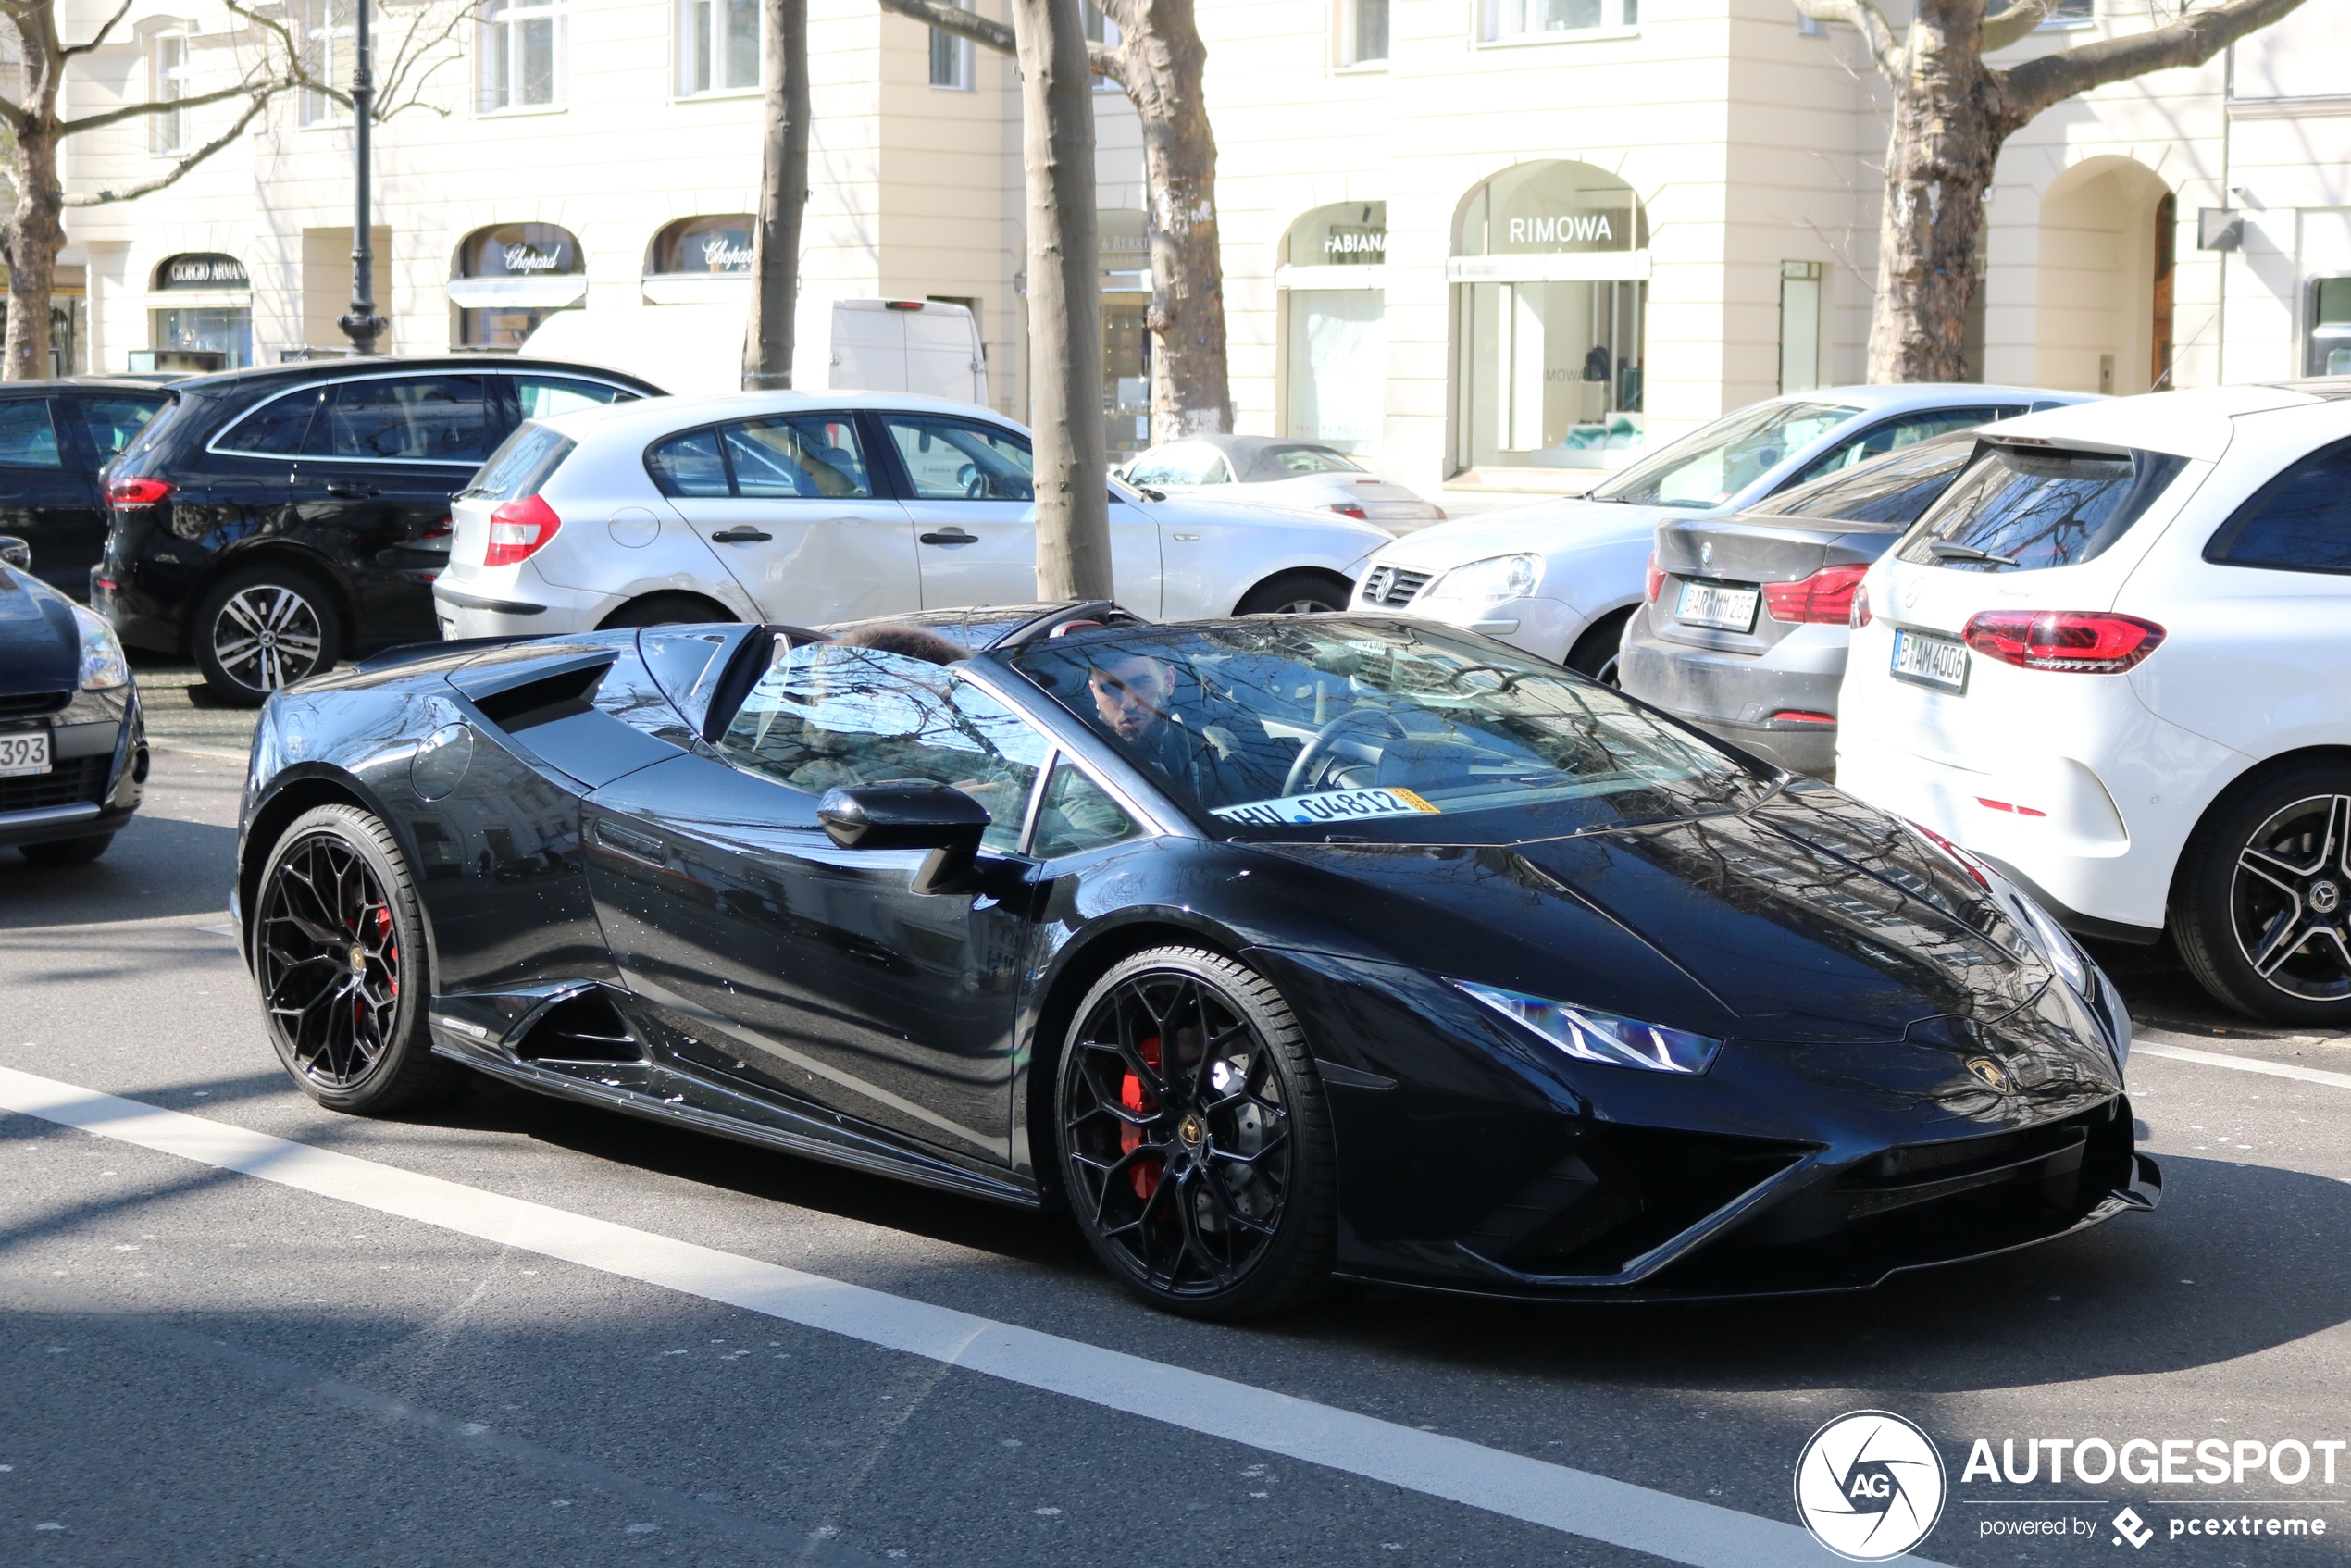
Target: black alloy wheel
pixel 1195 1138
pixel 260 631
pixel 2262 909
pixel 339 952
pixel 1294 594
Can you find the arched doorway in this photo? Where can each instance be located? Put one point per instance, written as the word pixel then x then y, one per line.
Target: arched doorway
pixel 1550 267
pixel 1333 280
pixel 2104 317
pixel 510 277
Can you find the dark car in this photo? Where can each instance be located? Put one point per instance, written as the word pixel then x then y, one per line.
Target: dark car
pixel 55 437
pixel 1743 630
pixel 268 522
pixel 73 750
pixel 1273 949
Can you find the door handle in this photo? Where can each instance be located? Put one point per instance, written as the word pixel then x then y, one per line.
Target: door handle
pixel 634 846
pixel 1187 539
pixel 742 533
pixel 958 537
pixel 351 490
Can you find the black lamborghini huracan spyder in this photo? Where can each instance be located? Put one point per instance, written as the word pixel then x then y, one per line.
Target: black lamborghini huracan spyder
pixel 1275 949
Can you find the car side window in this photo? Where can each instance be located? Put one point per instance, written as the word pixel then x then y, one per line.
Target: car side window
pixel 797 457
pixel 279 428
pixel 544 396
pixel 2298 522
pixel 961 460
pixel 28 438
pixel 1879 440
pixel 689 466
pixel 1078 815
pixel 409 418
pixel 115 422
pixel 826 715
pixel 1186 462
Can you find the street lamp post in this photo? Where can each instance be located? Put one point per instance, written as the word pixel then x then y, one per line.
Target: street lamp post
pixel 363 325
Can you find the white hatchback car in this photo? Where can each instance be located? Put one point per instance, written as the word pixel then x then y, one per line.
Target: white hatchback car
pixel 2114 660
pixel 1559 578
pixel 802 508
pixel 1278 471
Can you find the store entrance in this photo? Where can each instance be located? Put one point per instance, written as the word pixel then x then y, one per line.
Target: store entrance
pixel 1550 372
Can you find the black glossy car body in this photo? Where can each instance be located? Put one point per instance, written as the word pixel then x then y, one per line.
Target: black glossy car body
pixel 96 740
pixel 329 481
pixel 618 914
pixel 55 437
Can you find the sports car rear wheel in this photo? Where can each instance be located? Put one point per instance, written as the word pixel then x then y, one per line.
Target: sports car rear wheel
pixel 339 951
pixel 1195 1138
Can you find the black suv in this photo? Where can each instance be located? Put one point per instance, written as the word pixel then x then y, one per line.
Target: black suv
pixel 55 436
pixel 268 522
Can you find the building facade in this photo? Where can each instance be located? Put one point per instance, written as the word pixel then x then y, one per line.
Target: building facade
pixel 1497 246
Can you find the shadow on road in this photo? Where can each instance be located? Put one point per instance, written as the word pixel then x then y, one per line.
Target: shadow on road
pixel 158 866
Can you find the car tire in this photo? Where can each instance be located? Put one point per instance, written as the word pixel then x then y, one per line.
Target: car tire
pixel 2261 908
pixel 1595 651
pixel 666 609
pixel 1295 593
pixel 67 852
pixel 261 630
pixel 1241 1139
pixel 339 955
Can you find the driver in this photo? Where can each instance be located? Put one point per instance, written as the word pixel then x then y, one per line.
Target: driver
pixel 1134 698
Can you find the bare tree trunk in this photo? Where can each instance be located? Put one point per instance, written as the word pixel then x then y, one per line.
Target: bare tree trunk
pixel 1160 62
pixel 783 197
pixel 1065 301
pixel 30 239
pixel 1939 153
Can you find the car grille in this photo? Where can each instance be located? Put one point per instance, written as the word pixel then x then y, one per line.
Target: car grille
pixel 1393 585
pixel 73 781
pixel 25 705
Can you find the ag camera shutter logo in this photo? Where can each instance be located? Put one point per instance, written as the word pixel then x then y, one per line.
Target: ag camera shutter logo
pixel 1870 1485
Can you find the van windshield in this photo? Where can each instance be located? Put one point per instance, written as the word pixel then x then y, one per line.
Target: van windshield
pixel 2025 508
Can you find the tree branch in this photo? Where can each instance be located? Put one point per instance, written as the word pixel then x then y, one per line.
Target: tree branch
pixel 98 38
pixel 2028 88
pixel 993 35
pixel 260 102
pixel 161 106
pixel 2015 24
pixel 1877 31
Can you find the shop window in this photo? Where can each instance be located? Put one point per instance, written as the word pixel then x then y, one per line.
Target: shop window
pixel 1363 33
pixel 952 65
pixel 2330 339
pixel 330 31
pixel 718 46
pixel 1802 290
pixel 1125 270
pixel 203 314
pixel 703 247
pixel 1551 313
pixel 1504 21
pixel 522 54
pixel 1335 326
pixel 511 277
pixel 167 80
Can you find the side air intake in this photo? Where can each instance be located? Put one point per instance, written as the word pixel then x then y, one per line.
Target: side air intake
pixel 586 1027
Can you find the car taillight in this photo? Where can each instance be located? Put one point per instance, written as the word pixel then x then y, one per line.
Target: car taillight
pixel 1656 583
pixel 519 529
pixel 2082 641
pixel 1860 614
pixel 1824 599
pixel 131 494
pixel 1350 509
pixel 1802 716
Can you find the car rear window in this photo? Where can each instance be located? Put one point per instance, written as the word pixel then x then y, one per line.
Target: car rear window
pixel 1898 489
pixel 2025 508
pixel 151 432
pixel 522 462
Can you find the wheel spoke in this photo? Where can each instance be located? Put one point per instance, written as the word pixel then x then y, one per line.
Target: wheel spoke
pixel 2275 870
pixel 2284 937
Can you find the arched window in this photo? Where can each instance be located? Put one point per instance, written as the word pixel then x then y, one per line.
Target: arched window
pixel 510 277
pixel 1550 264
pixel 702 247
pixel 1333 279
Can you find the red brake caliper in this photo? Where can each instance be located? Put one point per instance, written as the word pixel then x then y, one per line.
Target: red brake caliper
pixel 392 948
pixel 1144 1173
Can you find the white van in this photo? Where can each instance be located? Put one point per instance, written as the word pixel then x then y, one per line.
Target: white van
pixel 923 346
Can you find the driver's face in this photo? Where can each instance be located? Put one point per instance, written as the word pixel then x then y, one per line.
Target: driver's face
pixel 1130 694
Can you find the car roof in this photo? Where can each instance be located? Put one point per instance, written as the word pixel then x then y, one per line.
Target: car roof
pixel 1924 394
pixel 655 417
pixel 301 371
pixel 115 384
pixel 2192 422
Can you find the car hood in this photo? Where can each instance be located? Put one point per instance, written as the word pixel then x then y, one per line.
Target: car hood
pixel 1808 921
pixel 39 646
pixel 1554 528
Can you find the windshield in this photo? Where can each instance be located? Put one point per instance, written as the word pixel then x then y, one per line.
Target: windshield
pixel 1709 466
pixel 1341 728
pixel 1895 489
pixel 2029 508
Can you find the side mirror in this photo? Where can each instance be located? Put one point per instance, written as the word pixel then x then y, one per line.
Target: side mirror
pixel 910 814
pixel 15 552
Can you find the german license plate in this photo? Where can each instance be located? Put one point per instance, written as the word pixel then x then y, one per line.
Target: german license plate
pixel 20 754
pixel 1939 662
pixel 1730 609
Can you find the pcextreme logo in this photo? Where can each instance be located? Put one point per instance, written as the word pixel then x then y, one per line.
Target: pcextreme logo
pixel 1870 1485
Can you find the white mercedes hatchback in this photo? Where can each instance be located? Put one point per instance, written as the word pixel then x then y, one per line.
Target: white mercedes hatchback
pixel 802 508
pixel 2114 661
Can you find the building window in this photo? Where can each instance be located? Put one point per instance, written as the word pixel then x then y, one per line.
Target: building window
pixel 1801 297
pixel 950 57
pixel 202 318
pixel 1100 29
pixel 1335 385
pixel 2073 13
pixel 1363 35
pixel 2330 331
pixel 718 46
pixel 522 47
pixel 328 32
pixel 1507 20
pixel 510 279
pixel 703 247
pixel 167 70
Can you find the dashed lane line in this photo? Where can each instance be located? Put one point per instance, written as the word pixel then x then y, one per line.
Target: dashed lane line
pixel 1578 1502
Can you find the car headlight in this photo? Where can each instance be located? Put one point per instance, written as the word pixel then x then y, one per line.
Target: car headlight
pixel 103 665
pixel 1602 1037
pixel 1489 582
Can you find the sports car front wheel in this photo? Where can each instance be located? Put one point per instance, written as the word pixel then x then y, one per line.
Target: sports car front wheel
pixel 1195 1138
pixel 339 951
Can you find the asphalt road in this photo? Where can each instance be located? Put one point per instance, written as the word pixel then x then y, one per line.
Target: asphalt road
pixel 202 1364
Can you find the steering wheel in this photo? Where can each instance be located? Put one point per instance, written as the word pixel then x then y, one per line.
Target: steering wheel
pixel 974 482
pixel 1319 748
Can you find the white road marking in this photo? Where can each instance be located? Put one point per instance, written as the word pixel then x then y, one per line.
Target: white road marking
pixel 216 753
pixel 2244 1063
pixel 1676 1528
